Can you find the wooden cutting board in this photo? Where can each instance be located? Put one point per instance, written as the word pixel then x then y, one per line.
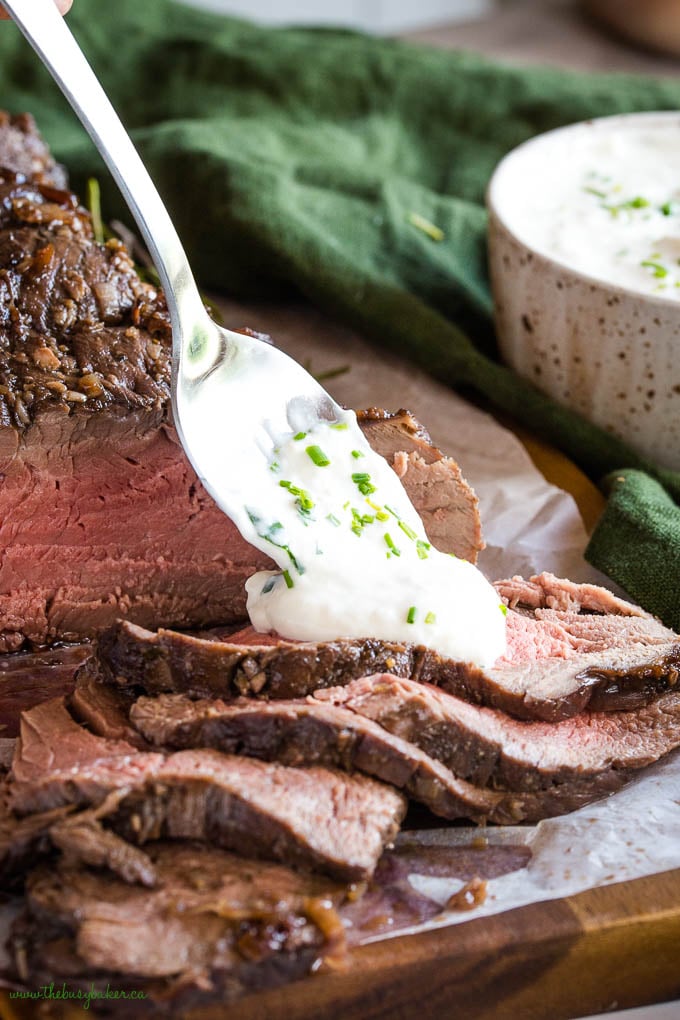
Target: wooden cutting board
pixel 613 947
pixel 609 948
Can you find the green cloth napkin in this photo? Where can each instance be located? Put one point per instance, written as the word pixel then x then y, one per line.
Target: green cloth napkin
pixel 296 158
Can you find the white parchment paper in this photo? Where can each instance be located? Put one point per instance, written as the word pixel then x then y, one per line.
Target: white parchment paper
pixel 529 526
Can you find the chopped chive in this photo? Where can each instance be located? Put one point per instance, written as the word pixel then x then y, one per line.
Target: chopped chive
pixel 422 549
pixel 268 535
pixel 288 579
pixel 503 608
pixel 391 511
pixel 345 505
pixel 411 615
pixel 594 191
pixel 356 454
pixel 95 207
pixel 431 618
pixel 299 435
pixel 304 501
pixel 379 513
pixel 408 531
pixel 390 545
pixel 363 482
pixel 333 519
pixel 668 208
pixel 274 466
pixel 269 585
pixel 659 270
pixel 339 425
pixel 432 231
pixel 637 203
pixel 316 454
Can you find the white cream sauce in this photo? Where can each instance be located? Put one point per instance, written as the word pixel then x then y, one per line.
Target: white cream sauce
pixel 354 557
pixel 603 198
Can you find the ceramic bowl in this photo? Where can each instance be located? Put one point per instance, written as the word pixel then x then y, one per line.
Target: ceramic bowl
pixel 608 352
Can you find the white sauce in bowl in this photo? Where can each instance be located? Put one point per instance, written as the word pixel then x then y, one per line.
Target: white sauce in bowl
pixel 354 555
pixel 601 197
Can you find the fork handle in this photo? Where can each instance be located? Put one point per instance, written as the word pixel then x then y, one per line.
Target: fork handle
pixel 52 40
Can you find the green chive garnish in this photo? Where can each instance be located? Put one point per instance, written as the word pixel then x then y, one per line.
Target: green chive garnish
pixel 304 501
pixel 316 454
pixel 431 618
pixel 422 548
pixel 95 208
pixel 594 191
pixel 356 454
pixel 390 545
pixel 408 531
pixel 503 608
pixel 411 615
pixel 416 220
pixel 288 579
pixel 274 466
pixel 659 270
pixel 363 482
pixel 339 425
pixel 380 514
pixel 668 208
pixel 333 519
pixel 299 435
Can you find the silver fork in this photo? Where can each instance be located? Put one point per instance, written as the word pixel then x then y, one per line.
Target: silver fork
pixel 232 395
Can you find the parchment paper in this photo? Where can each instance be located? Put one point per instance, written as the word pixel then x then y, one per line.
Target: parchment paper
pixel 529 526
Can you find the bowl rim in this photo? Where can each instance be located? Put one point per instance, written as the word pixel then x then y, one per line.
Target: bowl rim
pixel 536 141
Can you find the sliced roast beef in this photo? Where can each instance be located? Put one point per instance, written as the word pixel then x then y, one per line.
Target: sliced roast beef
pixel 488 747
pixel 101 515
pixel 307 817
pixel 213 925
pixel 300 732
pixel 599 653
pixel 447 505
pixel 23 841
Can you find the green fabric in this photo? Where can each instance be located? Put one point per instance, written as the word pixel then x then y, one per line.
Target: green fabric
pixel 294 158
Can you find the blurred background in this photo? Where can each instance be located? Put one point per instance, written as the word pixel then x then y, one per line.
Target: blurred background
pixel 571 33
pixel 650 23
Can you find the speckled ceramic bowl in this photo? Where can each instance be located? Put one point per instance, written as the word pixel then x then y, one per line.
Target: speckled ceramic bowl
pixel 608 352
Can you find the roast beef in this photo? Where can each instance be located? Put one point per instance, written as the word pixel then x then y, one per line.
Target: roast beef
pixel 27 678
pixel 101 515
pixel 592 651
pixel 23 150
pixel 318 731
pixel 447 505
pixel 213 925
pixel 300 732
pixel 489 748
pixel 307 817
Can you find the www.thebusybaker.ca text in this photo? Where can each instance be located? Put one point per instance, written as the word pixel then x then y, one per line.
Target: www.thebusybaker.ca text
pixel 83 996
